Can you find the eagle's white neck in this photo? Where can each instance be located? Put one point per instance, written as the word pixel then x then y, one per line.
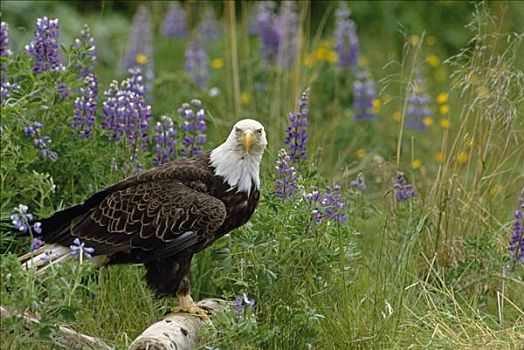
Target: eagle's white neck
pixel 238 168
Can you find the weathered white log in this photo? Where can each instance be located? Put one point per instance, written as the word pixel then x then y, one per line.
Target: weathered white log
pixel 64 335
pixel 175 331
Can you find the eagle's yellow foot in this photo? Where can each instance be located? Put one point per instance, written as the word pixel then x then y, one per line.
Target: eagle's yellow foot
pixel 188 306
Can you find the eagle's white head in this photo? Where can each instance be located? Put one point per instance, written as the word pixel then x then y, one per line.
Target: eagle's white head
pixel 237 160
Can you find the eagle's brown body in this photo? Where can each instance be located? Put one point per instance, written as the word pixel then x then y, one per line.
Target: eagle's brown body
pixel 160 217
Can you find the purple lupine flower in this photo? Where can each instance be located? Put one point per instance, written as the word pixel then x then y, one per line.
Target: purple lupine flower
pixel 286 176
pixel 164 141
pixel 44 48
pixel 359 183
pixel 288 26
pixel 516 243
pixel 6 87
pixel 239 307
pixel 32 129
pixel 193 135
pixel 125 111
pixel 135 82
pixel 418 106
pixel 346 39
pixel 296 132
pixel 86 53
pixel 264 24
pixel 21 217
pixel 85 107
pixel 79 252
pixel 197 65
pixel 247 301
pixel 4 43
pixel 208 28
pixel 140 45
pixel 175 25
pixel 39 141
pixel 37 227
pixel 241 302
pixel 363 95
pixel 63 90
pixel 403 189
pixel 327 205
pixel 36 244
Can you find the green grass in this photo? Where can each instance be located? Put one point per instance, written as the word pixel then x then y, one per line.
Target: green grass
pixel 424 274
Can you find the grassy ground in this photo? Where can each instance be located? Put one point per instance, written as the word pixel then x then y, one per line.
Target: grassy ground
pixel 426 273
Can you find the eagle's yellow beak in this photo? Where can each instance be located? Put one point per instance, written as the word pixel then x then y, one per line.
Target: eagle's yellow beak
pixel 247 139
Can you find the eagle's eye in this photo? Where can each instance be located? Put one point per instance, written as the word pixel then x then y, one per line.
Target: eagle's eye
pixel 238 130
pixel 259 131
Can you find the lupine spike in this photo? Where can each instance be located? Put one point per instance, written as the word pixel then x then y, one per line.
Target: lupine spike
pixel 364 94
pixel 296 132
pixel 140 45
pixel 418 106
pixel 264 24
pixel 87 49
pixel 286 176
pixel 346 39
pixel 164 141
pixel 39 141
pixel 44 48
pixel 287 26
pixel 175 25
pixel 85 107
pixel 516 242
pixel 403 189
pixel 327 205
pixel 125 111
pixel 193 135
pixel 208 28
pixel 6 87
pixel 197 65
pixel 359 183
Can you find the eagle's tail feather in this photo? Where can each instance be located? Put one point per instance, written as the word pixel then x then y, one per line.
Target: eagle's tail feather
pixel 44 257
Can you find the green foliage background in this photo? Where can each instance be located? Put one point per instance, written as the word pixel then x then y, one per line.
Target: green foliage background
pixel 422 274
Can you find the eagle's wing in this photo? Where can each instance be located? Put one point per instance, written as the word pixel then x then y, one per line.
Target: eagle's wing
pixel 160 217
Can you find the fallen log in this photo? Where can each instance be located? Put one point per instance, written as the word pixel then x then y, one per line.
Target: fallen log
pixel 64 335
pixel 175 331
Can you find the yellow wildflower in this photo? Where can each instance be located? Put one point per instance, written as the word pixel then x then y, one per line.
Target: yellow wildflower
pixel 442 98
pixel 444 109
pixel 377 103
pixel 217 63
pixel 439 157
pixel 428 121
pixel 462 158
pixel 332 57
pixel 321 53
pixel 433 60
pixel 416 164
pixel 245 98
pixel 431 40
pixel 397 116
pixel 361 153
pixel 444 123
pixel 141 58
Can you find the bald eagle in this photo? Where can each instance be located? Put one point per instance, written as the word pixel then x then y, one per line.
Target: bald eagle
pixel 163 216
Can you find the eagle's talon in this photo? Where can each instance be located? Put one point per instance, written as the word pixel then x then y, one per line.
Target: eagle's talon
pixel 194 309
